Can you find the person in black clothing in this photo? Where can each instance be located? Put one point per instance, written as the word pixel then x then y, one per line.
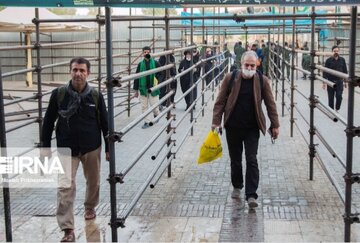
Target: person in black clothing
pixel 173 85
pixel 336 63
pixel 185 80
pixel 80 120
pixel 196 58
pixel 209 65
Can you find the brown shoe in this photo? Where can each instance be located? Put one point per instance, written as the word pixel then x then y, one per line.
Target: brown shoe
pixel 69 236
pixel 90 213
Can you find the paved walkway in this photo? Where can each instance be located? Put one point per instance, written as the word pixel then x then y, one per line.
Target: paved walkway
pixel 194 205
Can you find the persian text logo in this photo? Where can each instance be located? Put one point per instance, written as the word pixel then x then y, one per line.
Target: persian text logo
pixel 31 165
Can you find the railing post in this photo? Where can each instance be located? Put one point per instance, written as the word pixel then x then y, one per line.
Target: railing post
pixel 168 88
pixel 283 70
pixel 109 70
pixel 5 185
pixel 192 72
pixel 312 150
pixel 292 105
pixel 129 66
pixel 349 129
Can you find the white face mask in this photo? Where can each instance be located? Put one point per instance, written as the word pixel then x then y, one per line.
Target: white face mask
pixel 248 73
pixel 188 58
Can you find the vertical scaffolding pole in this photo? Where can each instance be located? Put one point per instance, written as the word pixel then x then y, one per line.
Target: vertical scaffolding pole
pixel 277 60
pixel 267 45
pixel 213 28
pixel 348 217
pixel 283 70
pixel 99 50
pixel 312 98
pixel 38 70
pixel 192 72
pixel 153 27
pixel 5 185
pixel 219 27
pixel 109 71
pixel 202 71
pixel 297 59
pixel 292 105
pixel 167 43
pixel 129 66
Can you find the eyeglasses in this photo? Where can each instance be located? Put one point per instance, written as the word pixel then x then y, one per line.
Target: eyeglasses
pixel 249 65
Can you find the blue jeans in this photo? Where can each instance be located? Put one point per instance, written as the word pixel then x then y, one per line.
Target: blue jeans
pixel 236 138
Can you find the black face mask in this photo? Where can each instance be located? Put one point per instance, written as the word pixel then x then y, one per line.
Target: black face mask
pixel 147 56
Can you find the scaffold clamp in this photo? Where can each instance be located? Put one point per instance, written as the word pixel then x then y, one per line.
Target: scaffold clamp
pixel 115 81
pixel 354 178
pixel 115 137
pixel 118 223
pixel 353 131
pixel 238 19
pixel 352 218
pixel 116 178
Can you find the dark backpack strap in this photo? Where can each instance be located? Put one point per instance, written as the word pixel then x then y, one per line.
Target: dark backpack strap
pixel 60 95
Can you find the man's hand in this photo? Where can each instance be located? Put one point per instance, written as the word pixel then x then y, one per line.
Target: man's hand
pixel 324 86
pixel 275 132
pixel 45 152
pixel 136 94
pixel 213 127
pixel 107 156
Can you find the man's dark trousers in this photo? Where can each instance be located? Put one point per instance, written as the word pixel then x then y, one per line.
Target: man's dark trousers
pixel 236 138
pixel 337 92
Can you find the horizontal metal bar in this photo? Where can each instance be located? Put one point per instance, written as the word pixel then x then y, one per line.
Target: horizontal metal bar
pixel 146 147
pixel 166 139
pixel 20 119
pixel 162 113
pixel 331 178
pixel 67 43
pixel 8 74
pixel 22 125
pixel 23 112
pixel 147 182
pixel 332 112
pixel 325 112
pixel 19 47
pixel 332 72
pixel 127 128
pixel 121 112
pixel 302 70
pixel 146 73
pixel 324 80
pixel 171 79
pixel 329 148
pixel 20 100
pixel 236 16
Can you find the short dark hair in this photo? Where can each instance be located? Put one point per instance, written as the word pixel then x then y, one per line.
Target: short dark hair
pixel 80 60
pixel 334 47
pixel 240 43
pixel 146 48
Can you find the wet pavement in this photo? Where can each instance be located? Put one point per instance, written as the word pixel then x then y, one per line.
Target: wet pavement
pixel 194 205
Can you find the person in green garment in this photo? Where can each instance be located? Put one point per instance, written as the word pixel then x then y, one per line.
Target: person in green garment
pixel 143 84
